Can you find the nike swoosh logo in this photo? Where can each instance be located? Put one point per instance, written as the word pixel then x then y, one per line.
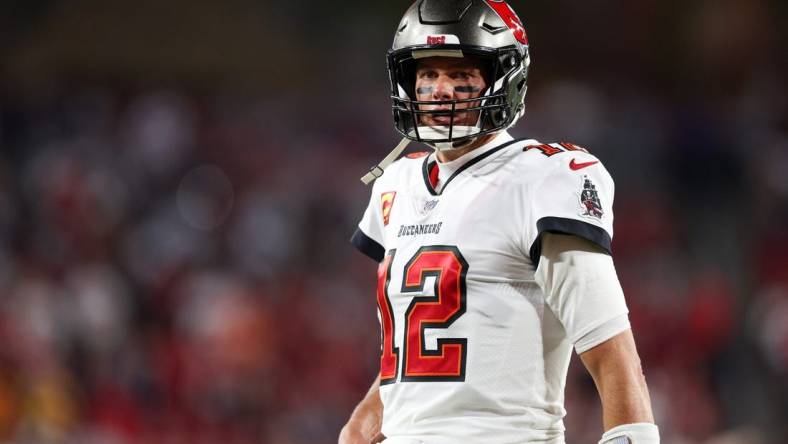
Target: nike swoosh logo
pixel 579 166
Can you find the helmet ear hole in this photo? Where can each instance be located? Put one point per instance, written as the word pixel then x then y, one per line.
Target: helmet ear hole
pixel 508 61
pixel 521 85
pixel 498 117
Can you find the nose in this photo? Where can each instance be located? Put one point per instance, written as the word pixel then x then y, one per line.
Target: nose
pixel 444 88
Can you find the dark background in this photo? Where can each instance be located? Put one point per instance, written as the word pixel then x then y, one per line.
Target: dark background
pixel 179 180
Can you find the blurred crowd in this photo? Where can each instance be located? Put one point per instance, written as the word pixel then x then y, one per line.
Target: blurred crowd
pixel 175 265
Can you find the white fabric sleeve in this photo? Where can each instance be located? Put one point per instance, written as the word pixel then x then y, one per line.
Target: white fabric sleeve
pixel 574 197
pixel 582 289
pixel 369 237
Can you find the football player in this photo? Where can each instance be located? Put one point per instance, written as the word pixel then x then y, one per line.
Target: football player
pixel 494 253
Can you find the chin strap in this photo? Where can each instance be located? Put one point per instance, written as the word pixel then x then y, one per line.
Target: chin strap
pixel 377 170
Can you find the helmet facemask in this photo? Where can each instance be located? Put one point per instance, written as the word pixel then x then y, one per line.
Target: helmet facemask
pixel 501 73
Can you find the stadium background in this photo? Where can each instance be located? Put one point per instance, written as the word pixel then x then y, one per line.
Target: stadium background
pixel 179 180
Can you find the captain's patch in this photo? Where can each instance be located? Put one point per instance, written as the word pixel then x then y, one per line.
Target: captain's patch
pixel 386 203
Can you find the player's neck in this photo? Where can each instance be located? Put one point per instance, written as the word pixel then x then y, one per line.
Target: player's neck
pixel 448 156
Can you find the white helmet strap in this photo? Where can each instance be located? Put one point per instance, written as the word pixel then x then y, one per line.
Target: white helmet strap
pixel 377 170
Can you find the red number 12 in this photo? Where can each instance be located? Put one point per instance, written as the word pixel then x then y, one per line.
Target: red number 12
pixel 447 362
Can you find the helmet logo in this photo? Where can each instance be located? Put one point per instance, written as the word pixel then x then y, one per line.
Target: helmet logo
pixel 509 17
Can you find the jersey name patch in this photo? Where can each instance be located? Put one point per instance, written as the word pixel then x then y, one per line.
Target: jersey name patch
pixel 386 203
pixel 416 230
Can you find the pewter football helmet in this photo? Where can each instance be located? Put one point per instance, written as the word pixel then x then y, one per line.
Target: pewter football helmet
pixel 487 30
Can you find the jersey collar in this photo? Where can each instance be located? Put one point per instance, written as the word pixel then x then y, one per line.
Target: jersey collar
pixel 449 170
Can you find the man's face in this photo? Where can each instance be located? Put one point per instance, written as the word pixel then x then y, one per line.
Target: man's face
pixel 449 78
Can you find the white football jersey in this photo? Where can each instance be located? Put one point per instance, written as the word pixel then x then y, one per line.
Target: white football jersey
pixel 471 351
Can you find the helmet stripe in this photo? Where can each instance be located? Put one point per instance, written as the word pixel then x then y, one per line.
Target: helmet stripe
pixel 507 14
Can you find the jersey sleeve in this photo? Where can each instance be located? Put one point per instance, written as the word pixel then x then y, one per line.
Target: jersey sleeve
pixel 368 237
pixel 582 290
pixel 574 197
